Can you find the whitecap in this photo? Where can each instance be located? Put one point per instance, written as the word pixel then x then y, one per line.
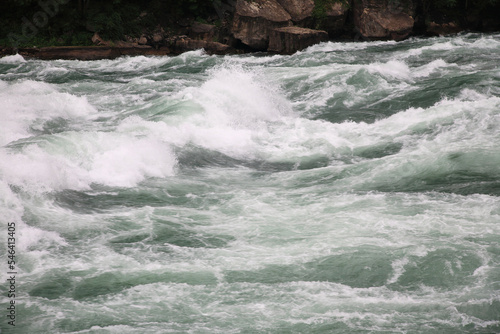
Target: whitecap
pixel 14 59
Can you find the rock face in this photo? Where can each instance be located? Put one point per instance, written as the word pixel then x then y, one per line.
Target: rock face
pixel 375 19
pixel 299 10
pixel 336 15
pixel 288 40
pixel 253 20
pixel 202 31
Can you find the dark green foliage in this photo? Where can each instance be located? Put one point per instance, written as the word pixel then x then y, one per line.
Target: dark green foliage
pixel 320 10
pixel 48 22
pixel 114 19
pixel 467 13
pixel 72 22
pixel 321 7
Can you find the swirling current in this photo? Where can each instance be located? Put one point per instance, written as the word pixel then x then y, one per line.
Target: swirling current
pixel 348 188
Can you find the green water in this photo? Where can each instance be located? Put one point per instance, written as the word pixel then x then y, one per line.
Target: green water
pixel 348 188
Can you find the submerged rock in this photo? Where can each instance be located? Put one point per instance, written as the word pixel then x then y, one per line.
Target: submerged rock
pixel 288 40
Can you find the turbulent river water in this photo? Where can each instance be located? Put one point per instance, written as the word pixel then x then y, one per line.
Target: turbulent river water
pixel 348 188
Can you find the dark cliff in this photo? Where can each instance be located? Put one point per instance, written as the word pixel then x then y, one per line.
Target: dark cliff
pixel 224 26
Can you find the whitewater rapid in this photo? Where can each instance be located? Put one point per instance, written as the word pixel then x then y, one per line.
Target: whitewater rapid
pixel 348 188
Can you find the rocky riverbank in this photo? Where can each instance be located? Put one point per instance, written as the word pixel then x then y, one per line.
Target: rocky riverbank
pixel 278 26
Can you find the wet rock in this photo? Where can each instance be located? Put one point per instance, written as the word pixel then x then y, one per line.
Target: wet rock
pixel 288 40
pixel 253 21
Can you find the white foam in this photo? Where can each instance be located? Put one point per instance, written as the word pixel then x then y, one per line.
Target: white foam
pixel 10 205
pixel 237 98
pixel 139 63
pixel 486 42
pixel 192 54
pixel 250 59
pixel 53 70
pixel 339 46
pixel 125 162
pixel 398 267
pixel 123 64
pixel 229 113
pixel 29 104
pixel 31 241
pixel 36 241
pixel 393 69
pixel 14 59
pixel 426 70
pixel 76 160
pixel 436 44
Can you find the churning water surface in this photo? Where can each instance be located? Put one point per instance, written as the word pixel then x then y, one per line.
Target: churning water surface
pixel 348 188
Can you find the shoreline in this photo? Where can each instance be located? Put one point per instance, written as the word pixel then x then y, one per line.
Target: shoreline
pixel 100 52
pixel 232 27
pixel 82 52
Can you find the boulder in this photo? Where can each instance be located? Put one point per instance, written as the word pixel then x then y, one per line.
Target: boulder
pixel 142 40
pixel 299 10
pixel 302 14
pixel 97 40
pixel 202 31
pixel 374 19
pixel 253 21
pixel 288 40
pixel 158 35
pixel 436 29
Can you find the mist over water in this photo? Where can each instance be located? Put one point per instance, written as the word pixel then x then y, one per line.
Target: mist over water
pixel 348 188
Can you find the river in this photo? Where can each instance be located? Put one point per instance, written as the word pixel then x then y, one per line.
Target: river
pixel 348 188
